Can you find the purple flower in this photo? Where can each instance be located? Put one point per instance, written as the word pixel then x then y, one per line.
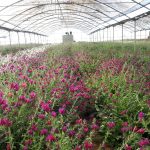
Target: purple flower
pixel 30 132
pixel 128 147
pixel 14 86
pixel 141 116
pixel 45 107
pixel 53 113
pixel 34 127
pixel 32 95
pixel 43 131
pixel 111 125
pixel 22 98
pixel 71 133
pixel 5 122
pixel 88 145
pixel 41 116
pixel 144 142
pixel 95 127
pixel 50 138
pixel 141 131
pixel 61 111
pixel 124 129
pixel 64 128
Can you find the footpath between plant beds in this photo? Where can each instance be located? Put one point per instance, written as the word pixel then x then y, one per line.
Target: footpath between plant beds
pixel 28 52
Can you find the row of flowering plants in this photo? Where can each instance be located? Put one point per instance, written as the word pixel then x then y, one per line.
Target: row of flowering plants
pixel 74 100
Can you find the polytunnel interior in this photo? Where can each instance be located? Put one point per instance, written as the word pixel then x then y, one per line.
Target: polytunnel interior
pixel 74 74
pixel 38 20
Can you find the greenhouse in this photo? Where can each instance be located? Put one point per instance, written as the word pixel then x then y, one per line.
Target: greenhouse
pixel 75 75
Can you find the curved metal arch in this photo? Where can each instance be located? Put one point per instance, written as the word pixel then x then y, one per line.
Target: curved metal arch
pixel 71 15
pixel 59 26
pixel 54 27
pixel 66 3
pixel 48 25
pixel 48 10
pixel 57 21
pixel 21 13
pixel 45 12
pixel 105 4
pixel 82 16
pixel 11 5
pixel 65 9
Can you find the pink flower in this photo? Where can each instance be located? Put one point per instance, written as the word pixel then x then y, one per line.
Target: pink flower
pixel 45 106
pixel 128 147
pixel 125 124
pixel 53 113
pixel 79 121
pixel 95 127
pixel 27 100
pixel 43 131
pixel 5 122
pixel 64 128
pixel 72 133
pixel 61 111
pixel 124 129
pixel 14 86
pixel 32 95
pixel 111 125
pixel 86 129
pixel 88 145
pixel 50 138
pixel 30 132
pixel 25 148
pixel 141 116
pixel 22 98
pixel 144 142
pixel 141 131
pixel 34 127
pixel 41 116
pixel 78 148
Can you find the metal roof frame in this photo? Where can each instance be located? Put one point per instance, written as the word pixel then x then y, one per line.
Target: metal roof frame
pixel 91 12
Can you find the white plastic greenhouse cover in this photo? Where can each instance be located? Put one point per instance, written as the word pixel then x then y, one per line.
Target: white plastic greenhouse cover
pixel 47 16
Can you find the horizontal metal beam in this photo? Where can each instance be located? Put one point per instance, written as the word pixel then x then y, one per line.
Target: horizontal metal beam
pixel 23 31
pixel 124 21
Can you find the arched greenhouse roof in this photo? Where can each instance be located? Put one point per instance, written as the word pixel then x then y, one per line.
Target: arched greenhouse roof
pixel 46 16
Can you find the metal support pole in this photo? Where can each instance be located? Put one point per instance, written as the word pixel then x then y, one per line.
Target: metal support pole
pixel 93 37
pixel 18 38
pixel 122 33
pixel 140 34
pixel 10 39
pixel 113 34
pixel 38 39
pixel 107 34
pixel 34 39
pixel 134 34
pixel 103 35
pixel 122 36
pixel 41 39
pixel 30 39
pixel 25 38
pixel 100 35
